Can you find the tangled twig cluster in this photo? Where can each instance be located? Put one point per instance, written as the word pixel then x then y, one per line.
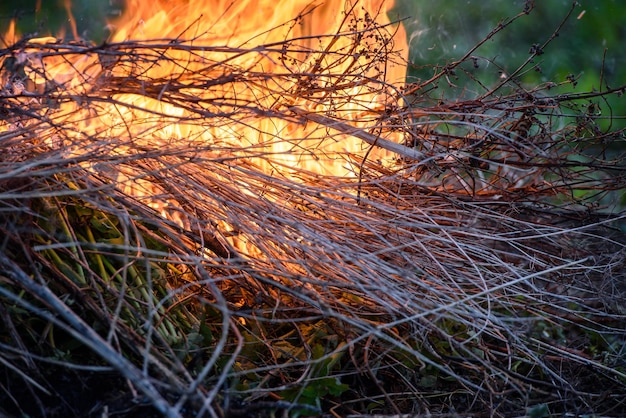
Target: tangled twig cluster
pixel 232 240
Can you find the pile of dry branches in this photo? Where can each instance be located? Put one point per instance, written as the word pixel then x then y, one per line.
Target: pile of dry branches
pixel 463 260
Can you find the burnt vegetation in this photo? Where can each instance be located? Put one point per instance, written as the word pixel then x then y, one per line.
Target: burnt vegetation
pixel 470 259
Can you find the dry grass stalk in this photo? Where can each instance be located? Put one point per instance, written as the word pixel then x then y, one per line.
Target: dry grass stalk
pixel 455 270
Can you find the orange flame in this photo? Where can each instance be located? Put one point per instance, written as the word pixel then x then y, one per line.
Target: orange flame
pixel 247 25
pixel 306 49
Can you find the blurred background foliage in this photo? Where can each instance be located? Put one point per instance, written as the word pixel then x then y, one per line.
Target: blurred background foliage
pixel 45 17
pixel 587 50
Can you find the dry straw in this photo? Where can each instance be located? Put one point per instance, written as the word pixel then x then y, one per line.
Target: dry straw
pixel 342 244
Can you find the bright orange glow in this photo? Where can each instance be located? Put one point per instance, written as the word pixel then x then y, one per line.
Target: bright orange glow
pixel 11 35
pixel 250 24
pixel 251 37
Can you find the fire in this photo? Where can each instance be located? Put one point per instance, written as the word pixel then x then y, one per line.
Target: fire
pixel 282 85
pixel 250 25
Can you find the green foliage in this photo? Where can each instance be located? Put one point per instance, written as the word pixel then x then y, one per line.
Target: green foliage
pixel 90 247
pixel 41 18
pixel 585 54
pixel 319 383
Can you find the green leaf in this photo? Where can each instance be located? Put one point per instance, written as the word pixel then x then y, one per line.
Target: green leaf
pixel 334 386
pixel 207 335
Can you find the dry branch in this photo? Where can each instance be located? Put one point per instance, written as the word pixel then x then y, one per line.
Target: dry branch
pixel 227 240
